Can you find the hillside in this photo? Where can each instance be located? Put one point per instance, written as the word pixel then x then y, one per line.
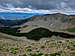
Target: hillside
pixel 21 46
pixel 59 21
pixel 41 35
pixel 54 22
pixel 10 22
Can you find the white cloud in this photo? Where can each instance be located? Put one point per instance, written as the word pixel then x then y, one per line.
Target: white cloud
pixel 29 6
pixel 63 5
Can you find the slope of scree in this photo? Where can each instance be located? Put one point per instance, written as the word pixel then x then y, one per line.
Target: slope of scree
pixel 59 21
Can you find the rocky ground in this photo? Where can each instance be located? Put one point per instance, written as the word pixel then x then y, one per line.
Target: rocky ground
pixel 21 46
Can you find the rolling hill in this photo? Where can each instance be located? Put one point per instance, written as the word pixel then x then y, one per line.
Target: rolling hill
pixel 46 29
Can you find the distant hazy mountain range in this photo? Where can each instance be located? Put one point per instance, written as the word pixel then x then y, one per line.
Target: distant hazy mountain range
pixel 14 18
pixel 16 15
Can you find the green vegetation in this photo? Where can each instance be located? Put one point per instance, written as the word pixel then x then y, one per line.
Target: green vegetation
pixel 40 54
pixel 23 55
pixel 71 47
pixel 56 54
pixel 67 20
pixel 14 50
pixel 4 49
pixel 71 30
pixel 46 55
pixel 43 46
pixel 25 26
pixel 59 41
pixel 10 31
pixel 29 48
pixel 36 34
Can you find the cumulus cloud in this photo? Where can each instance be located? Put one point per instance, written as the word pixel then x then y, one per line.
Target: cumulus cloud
pixel 63 5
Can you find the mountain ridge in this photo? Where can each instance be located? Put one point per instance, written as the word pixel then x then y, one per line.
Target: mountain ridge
pixel 52 20
pixel 57 20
